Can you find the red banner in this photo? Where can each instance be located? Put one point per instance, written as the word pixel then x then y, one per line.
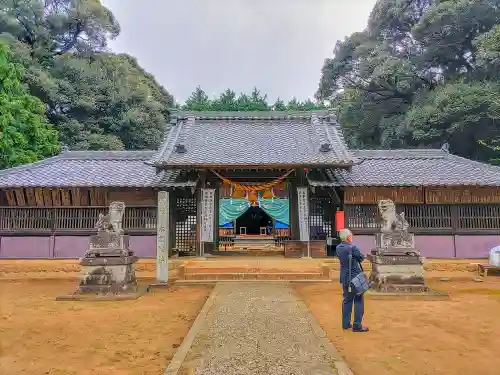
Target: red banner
pixel 339 220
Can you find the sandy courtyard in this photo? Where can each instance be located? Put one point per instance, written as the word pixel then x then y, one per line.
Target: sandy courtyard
pixel 460 336
pixel 39 335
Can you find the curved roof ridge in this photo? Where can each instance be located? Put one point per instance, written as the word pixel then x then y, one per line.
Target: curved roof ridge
pixel 249 115
pixel 401 153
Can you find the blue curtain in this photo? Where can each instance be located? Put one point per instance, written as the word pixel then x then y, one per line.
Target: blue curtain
pixel 280 225
pixel 232 208
pixel 277 208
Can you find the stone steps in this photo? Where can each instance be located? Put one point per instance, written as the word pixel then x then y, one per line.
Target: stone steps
pixel 220 273
pixel 212 282
pixel 254 276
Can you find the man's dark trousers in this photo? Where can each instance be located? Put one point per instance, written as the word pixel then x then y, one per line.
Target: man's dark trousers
pixel 351 298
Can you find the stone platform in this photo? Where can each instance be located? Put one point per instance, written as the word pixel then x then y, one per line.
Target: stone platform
pixel 223 269
pixel 397 273
pixel 429 295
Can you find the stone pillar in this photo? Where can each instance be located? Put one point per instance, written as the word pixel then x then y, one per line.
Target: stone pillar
pixel 162 236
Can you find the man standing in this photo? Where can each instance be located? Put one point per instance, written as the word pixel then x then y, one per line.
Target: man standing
pixel 344 249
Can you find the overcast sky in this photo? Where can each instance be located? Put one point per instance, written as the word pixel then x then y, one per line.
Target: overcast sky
pixel 277 45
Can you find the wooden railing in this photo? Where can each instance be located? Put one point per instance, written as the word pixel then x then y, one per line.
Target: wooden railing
pixel 71 219
pixel 430 218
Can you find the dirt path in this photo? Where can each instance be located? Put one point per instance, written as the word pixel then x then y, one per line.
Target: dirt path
pixel 455 337
pixel 41 336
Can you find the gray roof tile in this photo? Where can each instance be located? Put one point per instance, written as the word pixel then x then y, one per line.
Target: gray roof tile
pixel 94 168
pixel 253 139
pixel 412 167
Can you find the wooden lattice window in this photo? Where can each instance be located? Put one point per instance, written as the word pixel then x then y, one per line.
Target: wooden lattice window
pixel 365 216
pixel 478 216
pixel 320 218
pixel 427 216
pixel 14 219
pixel 140 218
pixel 185 224
pixel 71 218
pixel 361 216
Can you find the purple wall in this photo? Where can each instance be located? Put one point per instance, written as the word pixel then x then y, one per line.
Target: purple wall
pixel 449 246
pixel 64 247
pixel 475 246
pixel 72 247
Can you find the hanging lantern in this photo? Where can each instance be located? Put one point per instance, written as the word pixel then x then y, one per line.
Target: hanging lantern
pixel 252 197
pixel 268 194
pixel 238 194
pixel 339 220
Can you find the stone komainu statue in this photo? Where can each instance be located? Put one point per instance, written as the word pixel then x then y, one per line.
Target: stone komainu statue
pixel 394 226
pixel 112 221
pixel 389 219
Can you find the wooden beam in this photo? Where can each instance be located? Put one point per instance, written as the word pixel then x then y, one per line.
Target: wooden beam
pixel 21 200
pixel 39 197
pixel 56 197
pixel 30 196
pixel 47 197
pixel 11 197
pixel 65 197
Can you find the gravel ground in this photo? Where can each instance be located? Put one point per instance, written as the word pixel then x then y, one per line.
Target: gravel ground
pixel 257 328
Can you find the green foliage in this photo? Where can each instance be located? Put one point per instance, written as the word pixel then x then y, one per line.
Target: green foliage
pixel 255 101
pixel 109 96
pixel 54 27
pixel 97 100
pixel 25 134
pixel 422 73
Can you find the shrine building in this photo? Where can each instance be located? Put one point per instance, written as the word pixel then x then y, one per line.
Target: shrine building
pixel 231 182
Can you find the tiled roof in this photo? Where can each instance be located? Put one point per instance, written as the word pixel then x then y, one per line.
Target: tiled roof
pixel 253 139
pixel 94 168
pixel 412 167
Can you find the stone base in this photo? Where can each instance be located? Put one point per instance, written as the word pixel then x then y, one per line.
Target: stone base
pixel 397 273
pixel 108 275
pixel 160 285
pixel 429 295
pixel 105 297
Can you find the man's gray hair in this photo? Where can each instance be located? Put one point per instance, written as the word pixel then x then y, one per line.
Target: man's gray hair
pixel 344 234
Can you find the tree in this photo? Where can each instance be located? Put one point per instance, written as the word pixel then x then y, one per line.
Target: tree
pixel 225 102
pixel 25 134
pixel 96 99
pixel 111 98
pixel 279 105
pixel 198 101
pixel 55 27
pixel 418 60
pixel 461 113
pixel 255 101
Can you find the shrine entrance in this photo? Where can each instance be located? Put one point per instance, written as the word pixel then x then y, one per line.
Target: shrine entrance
pixel 253 217
pixel 255 221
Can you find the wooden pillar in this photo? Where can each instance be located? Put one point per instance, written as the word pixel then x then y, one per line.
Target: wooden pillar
pixel 172 222
pixel 162 236
pixel 203 182
pixel 294 212
pixel 216 185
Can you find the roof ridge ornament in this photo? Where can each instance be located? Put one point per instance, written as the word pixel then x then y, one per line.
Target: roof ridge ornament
pixel 445 147
pixel 180 148
pixel 325 147
pixel 63 148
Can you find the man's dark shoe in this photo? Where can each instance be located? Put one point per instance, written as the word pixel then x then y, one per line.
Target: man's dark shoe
pixel 360 329
pixel 348 327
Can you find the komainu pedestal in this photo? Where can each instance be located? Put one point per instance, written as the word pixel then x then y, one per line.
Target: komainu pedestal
pixel 397 266
pixel 108 265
